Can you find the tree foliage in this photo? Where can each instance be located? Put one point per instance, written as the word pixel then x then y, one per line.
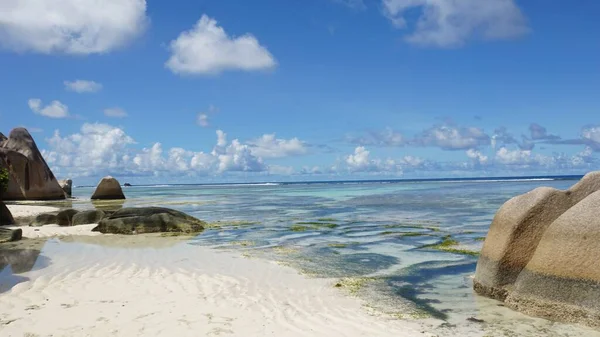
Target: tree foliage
pixel 3 179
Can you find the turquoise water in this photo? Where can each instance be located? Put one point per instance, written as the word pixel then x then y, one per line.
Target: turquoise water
pixel 374 240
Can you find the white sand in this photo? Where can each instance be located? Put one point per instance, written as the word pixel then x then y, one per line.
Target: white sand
pixel 92 286
pixel 19 211
pixel 186 290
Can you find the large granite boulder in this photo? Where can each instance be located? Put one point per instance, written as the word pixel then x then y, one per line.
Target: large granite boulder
pixel 30 176
pixel 149 220
pixel 6 217
pixel 542 255
pixel 108 189
pixel 88 217
pixel 67 187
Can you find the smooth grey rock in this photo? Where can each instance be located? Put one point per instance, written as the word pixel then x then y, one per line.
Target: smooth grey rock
pixel 149 220
pixel 88 217
pixel 108 189
pixel 44 219
pixel 9 235
pixel 30 176
pixel 67 186
pixel 65 218
pixel 6 217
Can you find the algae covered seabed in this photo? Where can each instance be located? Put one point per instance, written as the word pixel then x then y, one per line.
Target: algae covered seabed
pixel 409 250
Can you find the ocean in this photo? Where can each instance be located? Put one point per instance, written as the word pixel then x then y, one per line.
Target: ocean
pixel 408 248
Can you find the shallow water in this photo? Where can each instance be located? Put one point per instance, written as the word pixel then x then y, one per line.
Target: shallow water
pixel 371 236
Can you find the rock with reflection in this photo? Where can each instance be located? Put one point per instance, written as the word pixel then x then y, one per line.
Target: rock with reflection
pixel 541 253
pixel 108 189
pixel 21 256
pixel 149 220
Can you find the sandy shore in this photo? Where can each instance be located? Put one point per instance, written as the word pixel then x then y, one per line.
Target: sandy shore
pixel 22 211
pixel 110 285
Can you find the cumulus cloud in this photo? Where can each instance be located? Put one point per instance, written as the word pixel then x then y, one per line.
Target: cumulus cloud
pixel 360 161
pixel 269 146
pixel 71 26
pixel 449 137
pixel 82 86
pixel 477 157
pixel 202 120
pixel 115 112
pixel 207 49
pixel 451 23
pixel 100 149
pixel 53 110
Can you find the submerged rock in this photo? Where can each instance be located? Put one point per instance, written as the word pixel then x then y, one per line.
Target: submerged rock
pixel 67 186
pixel 108 189
pixel 65 218
pixel 541 253
pixel 149 220
pixel 30 176
pixel 88 217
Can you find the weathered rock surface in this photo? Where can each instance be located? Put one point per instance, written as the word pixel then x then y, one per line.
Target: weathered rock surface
pixel 6 217
pixel 30 176
pixel 88 217
pixel 542 253
pixel 149 220
pixel 44 219
pixel 8 235
pixel 108 189
pixel 65 218
pixel 67 187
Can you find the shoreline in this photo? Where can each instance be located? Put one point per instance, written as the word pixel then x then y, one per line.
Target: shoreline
pixel 104 284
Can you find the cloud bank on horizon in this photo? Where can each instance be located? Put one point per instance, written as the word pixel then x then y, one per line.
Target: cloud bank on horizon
pixel 107 71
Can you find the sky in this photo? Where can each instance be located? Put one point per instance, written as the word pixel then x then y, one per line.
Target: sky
pixel 202 91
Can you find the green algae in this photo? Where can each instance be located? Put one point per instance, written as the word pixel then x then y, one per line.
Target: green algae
pixel 353 284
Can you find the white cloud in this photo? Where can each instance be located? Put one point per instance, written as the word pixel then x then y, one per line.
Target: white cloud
pixel 477 156
pixel 591 133
pixel 115 112
pixel 360 161
pixel 354 4
pixel 82 86
pixel 70 26
pixel 53 110
pixel 450 23
pixel 452 138
pixel 207 49
pixel 99 149
pixel 268 146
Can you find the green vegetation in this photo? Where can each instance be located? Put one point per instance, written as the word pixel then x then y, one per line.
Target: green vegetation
pixel 306 225
pixel 447 245
pixel 3 181
pixel 429 228
pixel 233 224
pixel 480 239
pixel 353 284
pixel 327 219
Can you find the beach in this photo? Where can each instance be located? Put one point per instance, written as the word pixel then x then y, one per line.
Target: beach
pixel 118 291
pixel 307 260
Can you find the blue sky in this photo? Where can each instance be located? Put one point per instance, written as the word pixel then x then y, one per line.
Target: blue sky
pixel 207 91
